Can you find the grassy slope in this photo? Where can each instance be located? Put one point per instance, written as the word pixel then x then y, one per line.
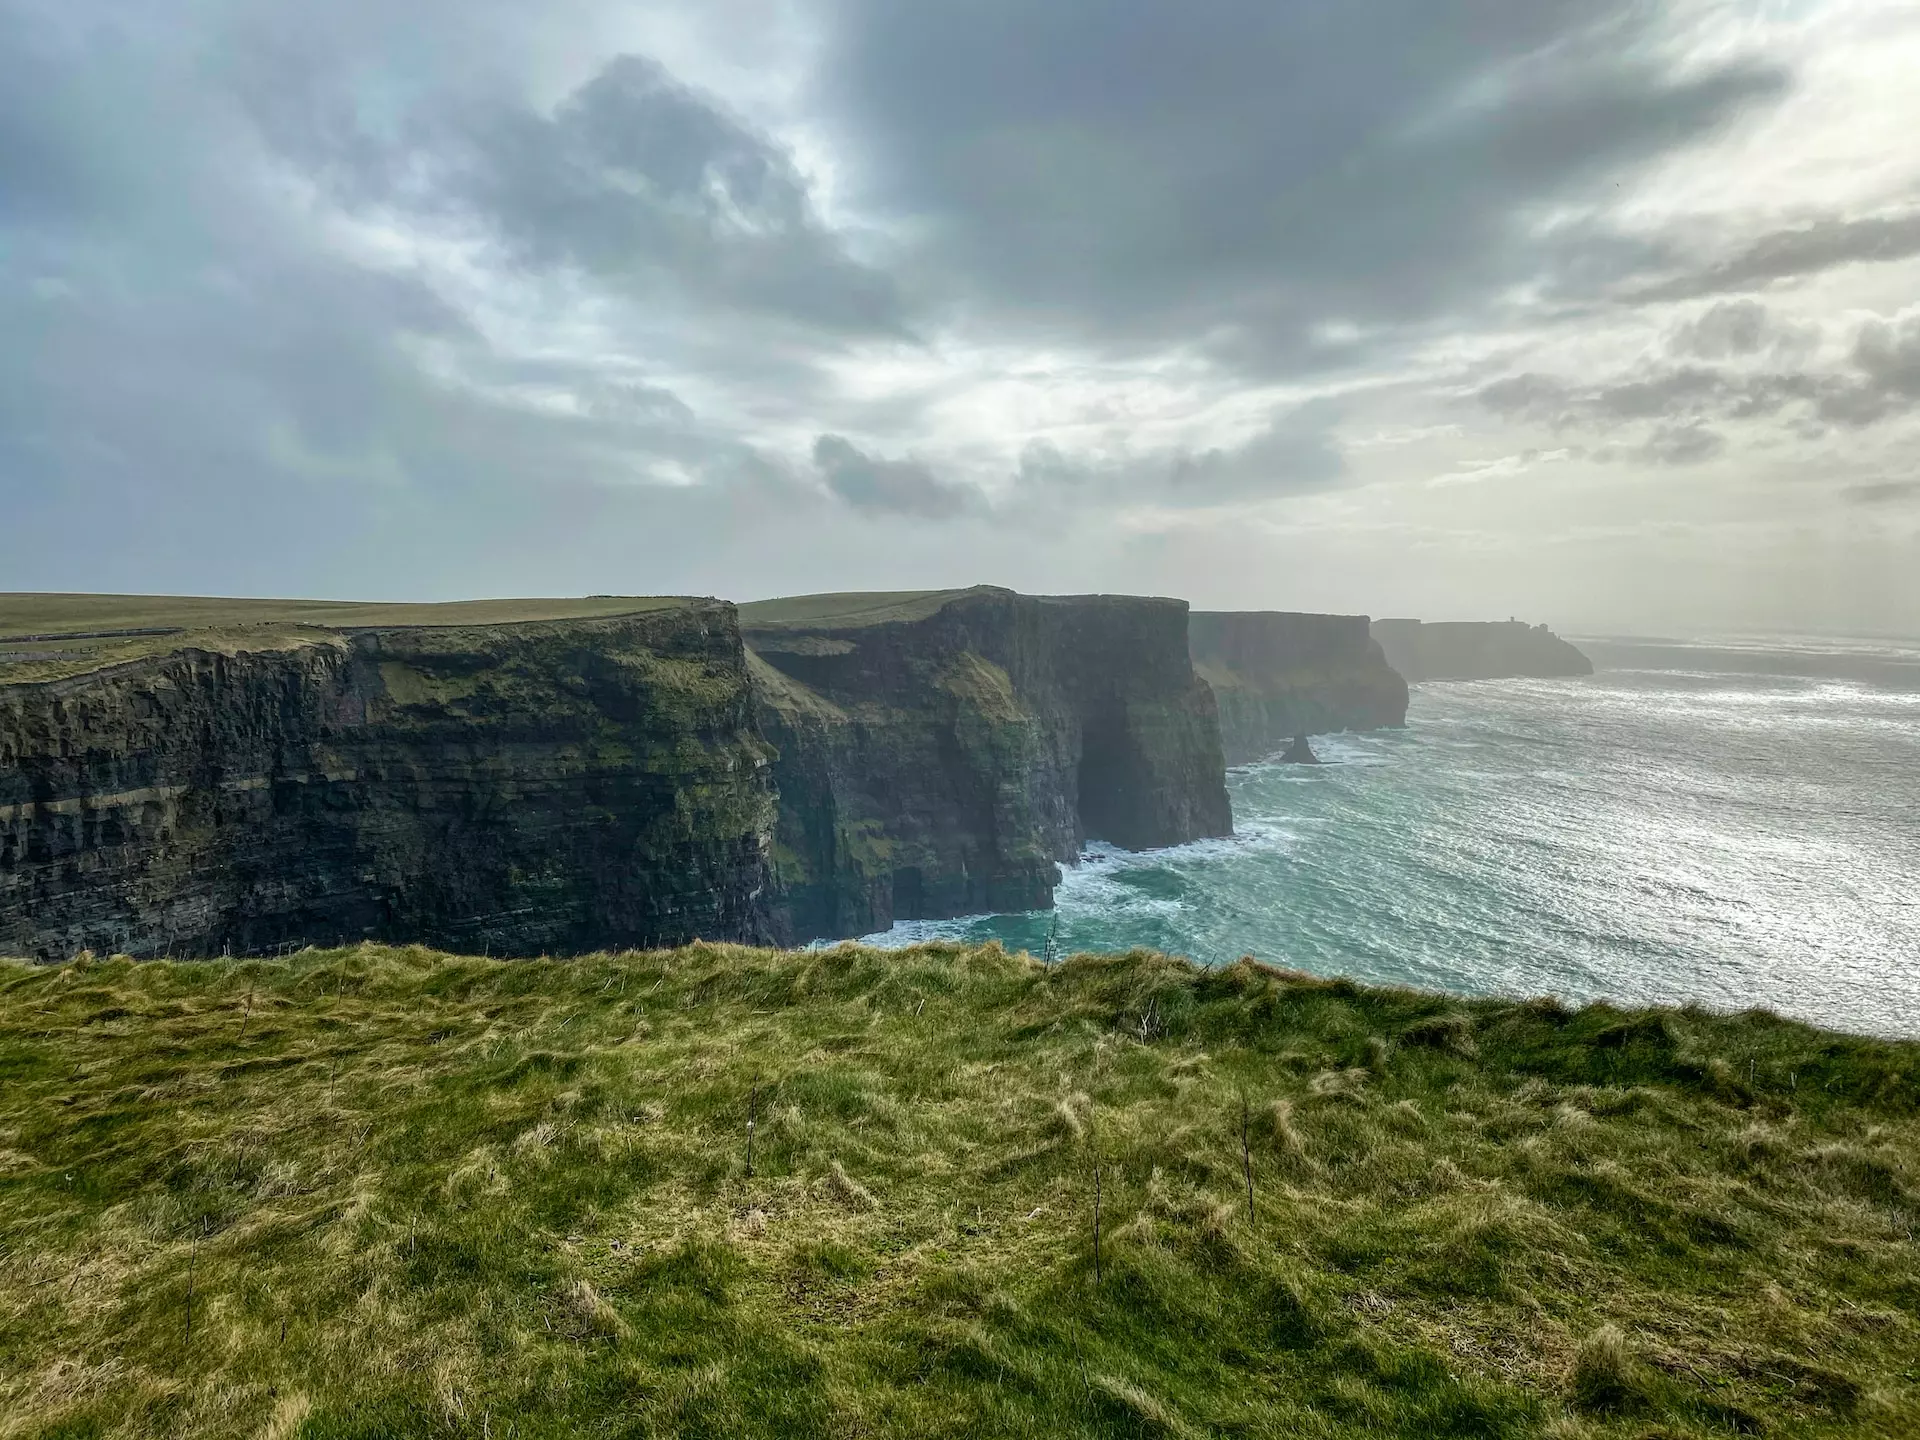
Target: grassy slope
pixel 854 609
pixel 28 614
pixel 848 609
pixel 384 1192
pixel 236 625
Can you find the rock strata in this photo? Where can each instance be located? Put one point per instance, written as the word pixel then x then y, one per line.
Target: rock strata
pixel 1277 675
pixel 522 788
pixel 249 776
pixel 940 754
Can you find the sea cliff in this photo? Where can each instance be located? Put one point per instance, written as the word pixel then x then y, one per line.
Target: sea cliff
pixel 1276 675
pixel 191 777
pixel 556 786
pixel 940 753
pixel 1477 650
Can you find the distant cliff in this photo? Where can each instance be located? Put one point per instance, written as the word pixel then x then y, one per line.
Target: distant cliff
pixel 939 753
pixel 1474 650
pixel 1277 675
pixel 557 786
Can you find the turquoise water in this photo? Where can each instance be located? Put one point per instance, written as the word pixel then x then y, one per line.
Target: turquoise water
pixel 1730 824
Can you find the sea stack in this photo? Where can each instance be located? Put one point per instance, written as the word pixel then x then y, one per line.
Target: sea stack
pixel 1299 753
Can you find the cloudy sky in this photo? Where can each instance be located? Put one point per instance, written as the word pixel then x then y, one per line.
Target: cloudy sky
pixel 1593 311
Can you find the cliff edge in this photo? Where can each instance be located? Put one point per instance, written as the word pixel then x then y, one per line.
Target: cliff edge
pixel 558 784
pixel 941 752
pixel 1477 650
pixel 1276 675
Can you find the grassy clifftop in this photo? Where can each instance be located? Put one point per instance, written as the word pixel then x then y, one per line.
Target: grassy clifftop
pixel 386 1192
pixel 53 637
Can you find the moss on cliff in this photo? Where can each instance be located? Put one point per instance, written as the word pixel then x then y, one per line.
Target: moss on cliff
pixel 386 1192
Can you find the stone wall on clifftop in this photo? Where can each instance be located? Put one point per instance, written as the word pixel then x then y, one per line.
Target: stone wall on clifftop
pixel 1477 650
pixel 940 753
pixel 558 786
pixel 1277 674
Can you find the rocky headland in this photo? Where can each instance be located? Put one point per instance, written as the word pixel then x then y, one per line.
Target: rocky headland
pixel 940 754
pixel 1477 650
pixel 1278 675
pixel 188 777
pixel 192 777
pixel 521 787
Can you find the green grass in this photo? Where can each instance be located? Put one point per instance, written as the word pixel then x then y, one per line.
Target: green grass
pixel 386 1192
pixel 45 614
pixel 78 632
pixel 850 609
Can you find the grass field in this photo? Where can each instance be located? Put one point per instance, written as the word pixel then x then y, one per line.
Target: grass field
pixel 850 609
pixel 52 637
pixel 385 1192
pixel 47 614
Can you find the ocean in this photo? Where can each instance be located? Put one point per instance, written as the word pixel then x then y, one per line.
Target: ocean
pixel 1731 823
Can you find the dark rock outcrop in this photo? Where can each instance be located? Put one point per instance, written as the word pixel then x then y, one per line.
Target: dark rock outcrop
pixel 549 787
pixel 1299 753
pixel 940 753
pixel 1477 650
pixel 1276 675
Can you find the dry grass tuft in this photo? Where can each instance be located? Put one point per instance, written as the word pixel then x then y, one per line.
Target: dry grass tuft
pixel 1605 1375
pixel 847 1190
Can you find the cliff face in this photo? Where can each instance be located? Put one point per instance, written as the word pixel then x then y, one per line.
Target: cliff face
pixel 940 753
pixel 1277 675
pixel 1473 650
pixel 543 787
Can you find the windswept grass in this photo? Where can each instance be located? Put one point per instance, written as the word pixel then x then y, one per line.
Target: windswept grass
pixel 386 1192
pixel 46 637
pixel 27 613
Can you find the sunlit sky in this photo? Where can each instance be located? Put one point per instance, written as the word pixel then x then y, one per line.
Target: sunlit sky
pixel 1594 312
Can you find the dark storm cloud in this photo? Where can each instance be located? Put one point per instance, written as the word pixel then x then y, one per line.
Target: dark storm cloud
pixel 1293 454
pixel 1795 254
pixel 887 487
pixel 1884 492
pixel 1878 380
pixel 188 353
pixel 1888 353
pixel 642 181
pixel 326 271
pixel 652 187
pixel 1687 444
pixel 1241 170
pixel 1735 328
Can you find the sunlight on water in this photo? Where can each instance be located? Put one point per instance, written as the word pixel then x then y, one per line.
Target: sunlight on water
pixel 1715 834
